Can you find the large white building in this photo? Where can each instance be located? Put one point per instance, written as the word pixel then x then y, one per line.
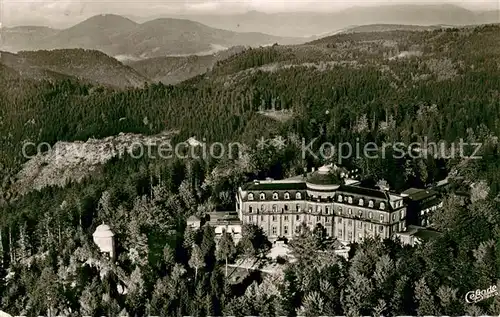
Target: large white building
pixel 349 210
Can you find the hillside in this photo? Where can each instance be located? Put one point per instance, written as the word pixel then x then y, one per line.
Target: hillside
pixel 173 69
pixel 87 65
pixel 391 27
pixel 116 35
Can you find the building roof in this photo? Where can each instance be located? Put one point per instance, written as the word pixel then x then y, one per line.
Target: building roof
pixel 103 231
pixel 325 175
pixel 274 185
pixel 223 218
pixel 363 191
pixel 420 232
pixel 318 178
pixel 418 194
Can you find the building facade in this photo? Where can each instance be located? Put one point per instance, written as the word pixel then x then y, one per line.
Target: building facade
pixel 348 210
pixel 421 205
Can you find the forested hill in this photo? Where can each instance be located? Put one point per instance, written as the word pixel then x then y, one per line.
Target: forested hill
pixel 379 79
pixel 385 87
pixel 88 66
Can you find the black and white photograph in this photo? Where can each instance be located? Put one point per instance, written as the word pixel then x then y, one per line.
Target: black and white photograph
pixel 234 158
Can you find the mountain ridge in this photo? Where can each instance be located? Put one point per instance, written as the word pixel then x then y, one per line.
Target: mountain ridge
pixel 117 35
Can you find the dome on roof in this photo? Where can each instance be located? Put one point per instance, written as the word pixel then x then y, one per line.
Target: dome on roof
pixel 325 169
pixel 103 231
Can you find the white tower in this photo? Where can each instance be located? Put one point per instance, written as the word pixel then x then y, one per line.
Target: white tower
pixel 104 239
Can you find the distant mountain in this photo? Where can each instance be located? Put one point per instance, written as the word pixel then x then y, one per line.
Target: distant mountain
pixel 314 23
pixel 25 37
pixel 86 65
pixel 116 35
pixel 174 69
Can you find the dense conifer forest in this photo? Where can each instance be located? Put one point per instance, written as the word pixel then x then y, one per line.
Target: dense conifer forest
pixel 396 86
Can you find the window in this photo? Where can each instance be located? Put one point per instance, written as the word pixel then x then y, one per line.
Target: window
pixel 370 204
pixel 274 218
pixel 310 209
pixel 381 217
pixel 262 196
pixel 360 213
pixel 345 199
pixel 381 228
pixel 297 217
pixel 275 196
pixel 340 210
pixel 360 236
pixel 370 215
pixel 298 196
pixel 286 207
pixel 261 218
pixel 350 211
pixel 350 200
pixel 349 234
pixel 371 226
pixel 297 229
pixel 382 206
pixel 361 202
pixel 249 219
pixel 250 196
pixel 340 233
pixel 285 230
pixel 287 196
pixel 340 198
pixel 402 214
pixel 275 208
pixel 328 219
pixel 340 220
pixel 250 209
pixel 393 217
pixel 285 218
pixel 349 222
pixel 275 231
pixel 360 225
pixel 263 207
pixel 318 209
pixel 327 210
pixel 298 208
pixel 318 218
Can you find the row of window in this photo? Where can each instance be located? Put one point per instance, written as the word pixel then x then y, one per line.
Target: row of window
pixel 286 208
pixel 361 201
pixel 274 231
pixel 340 198
pixel 327 211
pixel 370 214
pixel 274 218
pixel 349 234
pixel 262 196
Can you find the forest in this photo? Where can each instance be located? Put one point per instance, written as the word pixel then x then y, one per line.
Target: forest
pixel 397 86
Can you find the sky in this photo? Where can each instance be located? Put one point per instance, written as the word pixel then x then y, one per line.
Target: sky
pixel 56 12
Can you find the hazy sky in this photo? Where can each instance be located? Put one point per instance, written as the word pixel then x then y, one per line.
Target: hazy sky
pixel 54 12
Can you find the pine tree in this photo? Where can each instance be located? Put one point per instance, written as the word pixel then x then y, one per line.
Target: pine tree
pixel 225 249
pixel 196 261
